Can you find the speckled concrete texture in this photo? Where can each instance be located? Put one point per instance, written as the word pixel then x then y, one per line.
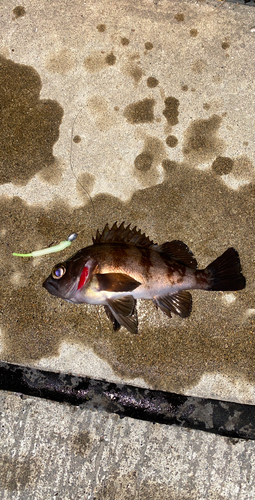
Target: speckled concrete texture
pixel 53 451
pixel 142 113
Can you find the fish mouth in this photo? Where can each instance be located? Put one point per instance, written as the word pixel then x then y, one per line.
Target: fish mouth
pixel 51 287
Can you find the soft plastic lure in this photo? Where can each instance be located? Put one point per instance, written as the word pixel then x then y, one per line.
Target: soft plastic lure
pixel 56 248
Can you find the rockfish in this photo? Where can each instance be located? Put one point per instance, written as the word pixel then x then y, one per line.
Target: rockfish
pixel 124 265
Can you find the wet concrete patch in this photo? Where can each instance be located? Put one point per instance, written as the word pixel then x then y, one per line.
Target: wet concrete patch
pixel 140 112
pixel 29 125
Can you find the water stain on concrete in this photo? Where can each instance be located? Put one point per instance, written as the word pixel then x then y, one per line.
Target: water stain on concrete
pixel 19 11
pixel 85 184
pixel 140 111
pixel 124 41
pixel 17 474
pixel 143 161
pixel 206 106
pixel 171 141
pixel 201 141
pixel 77 139
pixel 134 71
pixel 146 162
pixel 110 59
pixel 171 110
pixel 61 62
pixel 29 125
pixel 152 82
pixel 225 45
pixel 52 173
pixel 168 354
pixel 119 486
pixel 199 66
pixel 102 114
pixel 98 60
pixel 222 165
pixel 81 443
pixel 148 45
pixel 179 17
pixel 193 32
pixel 101 28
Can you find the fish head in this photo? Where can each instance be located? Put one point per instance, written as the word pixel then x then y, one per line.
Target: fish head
pixel 68 278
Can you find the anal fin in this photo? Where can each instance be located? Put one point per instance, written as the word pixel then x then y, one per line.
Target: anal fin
pixel 178 303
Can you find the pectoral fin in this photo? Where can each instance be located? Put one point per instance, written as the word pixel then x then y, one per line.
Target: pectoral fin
pixel 179 303
pixel 123 312
pixel 116 282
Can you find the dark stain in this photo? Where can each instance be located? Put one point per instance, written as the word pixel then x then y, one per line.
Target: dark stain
pixel 116 108
pixel 18 474
pixel 171 110
pixel 222 165
pixel 76 139
pixel 199 66
pixel 169 166
pixel 148 46
pixel 140 111
pixel 171 141
pixel 179 17
pixel 98 60
pixel 124 41
pixel 185 88
pixel 101 28
pixel 81 443
pixel 119 486
pixel 245 143
pixel 52 173
pixel 29 126
pixel 201 141
pixel 133 70
pixel 102 115
pixel 143 162
pixel 85 184
pixel 193 33
pixel 19 11
pixel 110 59
pixel 152 82
pixel 34 324
pixel 61 62
pixel 225 45
pixel 206 106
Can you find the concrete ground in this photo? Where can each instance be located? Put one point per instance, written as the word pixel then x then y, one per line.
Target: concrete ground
pixel 140 112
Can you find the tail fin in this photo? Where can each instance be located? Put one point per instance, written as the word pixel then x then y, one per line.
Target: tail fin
pixel 224 273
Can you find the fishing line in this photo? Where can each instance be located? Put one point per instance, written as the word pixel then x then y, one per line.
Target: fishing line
pixel 72 237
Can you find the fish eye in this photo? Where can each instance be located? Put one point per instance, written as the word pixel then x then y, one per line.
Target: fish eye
pixel 58 271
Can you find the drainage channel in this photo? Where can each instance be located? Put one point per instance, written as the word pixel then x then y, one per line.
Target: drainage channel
pixel 229 419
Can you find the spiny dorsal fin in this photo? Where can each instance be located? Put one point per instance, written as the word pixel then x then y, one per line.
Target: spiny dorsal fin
pixel 122 234
pixel 178 251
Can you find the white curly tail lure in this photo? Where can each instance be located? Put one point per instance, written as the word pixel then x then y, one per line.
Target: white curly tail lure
pixel 56 248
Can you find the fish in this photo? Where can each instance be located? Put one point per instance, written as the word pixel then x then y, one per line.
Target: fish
pixel 124 265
